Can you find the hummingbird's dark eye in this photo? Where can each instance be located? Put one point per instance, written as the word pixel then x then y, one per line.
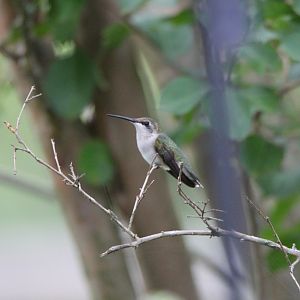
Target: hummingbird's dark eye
pixel 146 123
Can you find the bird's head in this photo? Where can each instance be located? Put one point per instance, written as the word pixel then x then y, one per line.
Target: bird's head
pixel 143 126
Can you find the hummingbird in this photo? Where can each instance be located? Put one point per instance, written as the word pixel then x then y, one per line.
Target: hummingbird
pixel 159 149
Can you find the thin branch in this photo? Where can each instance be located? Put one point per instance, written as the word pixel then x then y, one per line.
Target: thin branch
pixel 28 98
pixel 201 212
pixel 142 193
pixel 55 155
pixel 282 247
pixel 218 232
pixel 292 266
pixel 152 237
pixel 267 219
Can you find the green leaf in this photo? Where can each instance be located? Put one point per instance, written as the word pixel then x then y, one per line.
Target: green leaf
pixel 239 115
pixel 185 16
pixel 274 9
pixel 260 156
pixel 263 35
pixel 182 94
pixel 187 132
pixel 282 184
pixel 278 14
pixel 114 35
pixel 260 99
pixel 96 162
pixel 282 208
pixel 243 104
pixel 290 43
pixel 64 18
pixel 69 85
pixel 173 40
pixel 261 57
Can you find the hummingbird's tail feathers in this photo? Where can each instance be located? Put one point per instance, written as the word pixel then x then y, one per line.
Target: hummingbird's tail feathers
pixel 187 178
pixel 192 177
pixel 184 178
pixel 199 184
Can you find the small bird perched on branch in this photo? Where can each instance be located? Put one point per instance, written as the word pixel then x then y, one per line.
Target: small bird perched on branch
pixel 158 149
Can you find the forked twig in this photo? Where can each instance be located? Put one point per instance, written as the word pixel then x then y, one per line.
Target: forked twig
pixel 201 212
pixel 28 98
pixel 143 191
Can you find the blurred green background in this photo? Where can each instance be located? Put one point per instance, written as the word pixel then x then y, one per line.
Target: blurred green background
pixel 136 58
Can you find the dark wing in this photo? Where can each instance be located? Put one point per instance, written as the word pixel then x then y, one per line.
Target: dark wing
pixel 168 157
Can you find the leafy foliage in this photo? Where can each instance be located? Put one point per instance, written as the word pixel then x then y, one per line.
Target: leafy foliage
pixel 291 44
pixel 69 84
pixel 182 94
pixel 173 40
pixel 96 162
pixel 64 17
pixel 260 57
pixel 260 156
pixel 114 35
pixel 282 184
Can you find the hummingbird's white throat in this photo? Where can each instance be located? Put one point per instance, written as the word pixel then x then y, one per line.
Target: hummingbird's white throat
pixel 145 139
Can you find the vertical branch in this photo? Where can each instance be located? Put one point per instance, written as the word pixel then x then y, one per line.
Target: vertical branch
pixel 55 155
pixel 142 193
pixel 28 98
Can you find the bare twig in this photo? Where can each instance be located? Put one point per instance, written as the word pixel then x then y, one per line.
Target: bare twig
pixel 201 212
pixel 267 219
pixel 292 266
pixel 55 155
pixel 282 247
pixel 218 232
pixel 142 193
pixel 28 98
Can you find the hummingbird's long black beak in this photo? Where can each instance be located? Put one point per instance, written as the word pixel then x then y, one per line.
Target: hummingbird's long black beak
pixel 132 120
